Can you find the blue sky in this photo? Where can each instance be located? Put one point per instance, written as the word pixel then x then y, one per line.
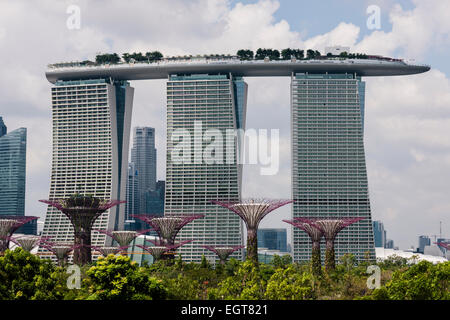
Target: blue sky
pixel 407 128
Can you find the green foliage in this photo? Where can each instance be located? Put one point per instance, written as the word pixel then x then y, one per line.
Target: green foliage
pixel 289 284
pixel 24 276
pixel 286 54
pixel 270 53
pixel 112 58
pixel 422 281
pixel 245 54
pixel 118 278
pixel 246 284
pixel 281 262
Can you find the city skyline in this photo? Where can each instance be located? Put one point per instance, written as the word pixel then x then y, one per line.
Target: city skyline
pixel 396 162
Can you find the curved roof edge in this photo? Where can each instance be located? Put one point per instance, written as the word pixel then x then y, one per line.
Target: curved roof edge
pixel 143 71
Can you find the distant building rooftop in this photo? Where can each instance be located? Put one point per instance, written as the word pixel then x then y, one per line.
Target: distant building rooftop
pixel 382 254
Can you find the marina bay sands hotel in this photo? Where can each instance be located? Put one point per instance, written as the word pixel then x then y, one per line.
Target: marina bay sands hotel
pixel 92 109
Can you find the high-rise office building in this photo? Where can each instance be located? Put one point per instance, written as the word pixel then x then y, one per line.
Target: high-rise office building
pixel 155 199
pixel 13 148
pixel 379 234
pixel 423 242
pixel 3 129
pixel 195 104
pixel 329 176
pixel 91 131
pixel 143 155
pixel 272 239
pixel 132 204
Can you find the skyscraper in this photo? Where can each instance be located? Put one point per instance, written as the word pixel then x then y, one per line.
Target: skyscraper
pixel 143 156
pixel 13 148
pixel 423 242
pixel 91 129
pixel 379 234
pixel 131 206
pixel 196 103
pixel 272 239
pixel 329 176
pixel 3 128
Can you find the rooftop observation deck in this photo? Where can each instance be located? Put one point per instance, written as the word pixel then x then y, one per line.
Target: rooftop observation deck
pixel 254 68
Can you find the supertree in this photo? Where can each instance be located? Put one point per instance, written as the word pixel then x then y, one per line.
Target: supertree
pixel 167 229
pixel 155 251
pixel 444 245
pixel 82 212
pixel 315 235
pixel 9 225
pixel 252 211
pixel 105 251
pixel 330 228
pixel 123 238
pixel 223 252
pixel 60 249
pixel 27 243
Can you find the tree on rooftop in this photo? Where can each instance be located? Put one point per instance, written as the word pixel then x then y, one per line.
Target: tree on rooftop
pixel 82 211
pixel 245 54
pixel 252 211
pixel 272 54
pixel 153 56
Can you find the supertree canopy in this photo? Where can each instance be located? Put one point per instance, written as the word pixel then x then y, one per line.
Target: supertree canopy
pixel 155 251
pixel 168 227
pixel 82 211
pixel 60 249
pixel 123 238
pixel 9 225
pixel 252 211
pixel 443 245
pixel 223 252
pixel 105 251
pixel 315 235
pixel 330 228
pixel 27 243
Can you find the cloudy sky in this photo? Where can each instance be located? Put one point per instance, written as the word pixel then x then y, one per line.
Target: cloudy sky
pixel 407 128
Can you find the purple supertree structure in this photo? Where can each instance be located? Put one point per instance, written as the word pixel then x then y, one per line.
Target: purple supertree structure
pixel 123 238
pixel 330 228
pixel 106 251
pixel 9 225
pixel 252 211
pixel 155 251
pixel 60 249
pixel 167 229
pixel 315 235
pixel 82 212
pixel 27 243
pixel 164 252
pixel 223 252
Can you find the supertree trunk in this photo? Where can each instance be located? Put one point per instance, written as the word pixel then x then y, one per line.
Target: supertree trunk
pixel 252 245
pixel 316 264
pixel 330 262
pixel 82 254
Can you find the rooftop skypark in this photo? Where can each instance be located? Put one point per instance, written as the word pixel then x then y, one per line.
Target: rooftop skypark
pixel 241 55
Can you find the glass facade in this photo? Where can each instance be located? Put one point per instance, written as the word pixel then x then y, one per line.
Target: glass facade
pixel 329 176
pixel 272 239
pixel 91 130
pixel 143 156
pixel 216 102
pixel 379 234
pixel 13 148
